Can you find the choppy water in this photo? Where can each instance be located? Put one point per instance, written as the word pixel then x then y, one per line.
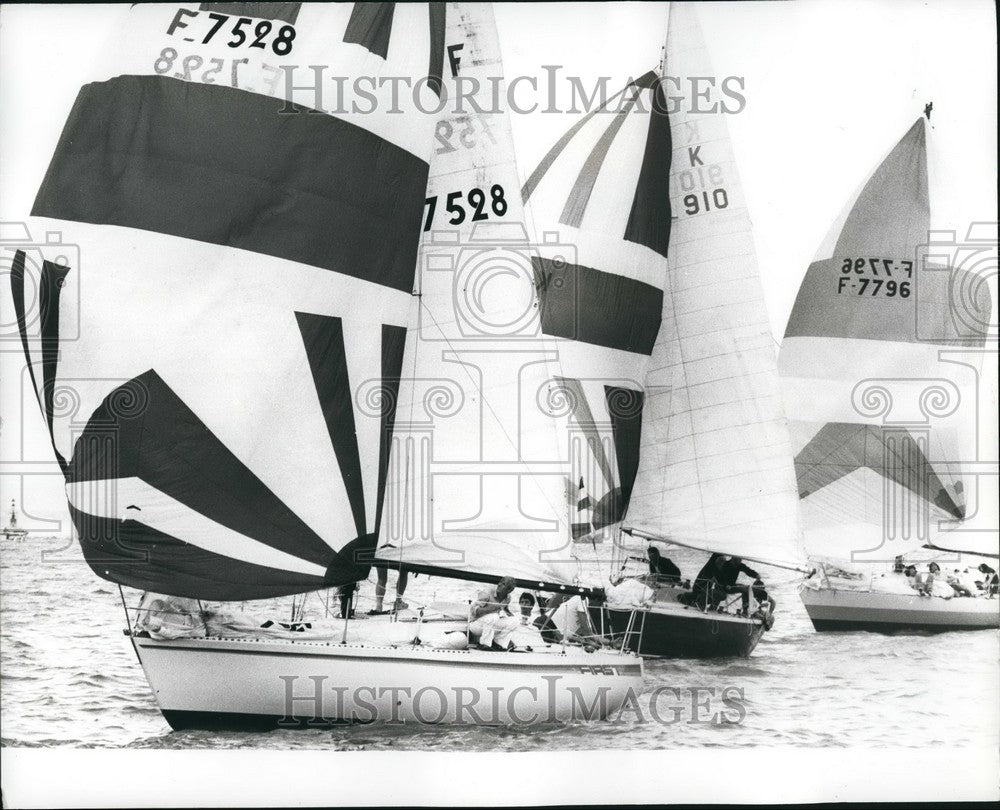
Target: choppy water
pixel 69 677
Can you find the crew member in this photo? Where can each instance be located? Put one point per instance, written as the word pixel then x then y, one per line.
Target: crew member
pixel 662 567
pixel 492 622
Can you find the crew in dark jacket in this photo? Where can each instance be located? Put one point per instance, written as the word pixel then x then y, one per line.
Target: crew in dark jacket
pixel 705 584
pixel 729 573
pixel 718 577
pixel 662 567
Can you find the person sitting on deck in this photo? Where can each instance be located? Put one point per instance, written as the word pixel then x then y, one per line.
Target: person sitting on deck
pixel 576 622
pixel 959 584
pixel 527 603
pixel 662 567
pixel 989 582
pixel 924 582
pixel 491 620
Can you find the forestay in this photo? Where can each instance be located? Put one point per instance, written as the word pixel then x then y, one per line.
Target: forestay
pixel 715 465
pixel 881 362
pixel 231 268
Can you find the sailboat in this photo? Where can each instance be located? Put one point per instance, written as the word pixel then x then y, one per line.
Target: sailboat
pixel 12 531
pixel 714 467
pixel 881 364
pixel 229 422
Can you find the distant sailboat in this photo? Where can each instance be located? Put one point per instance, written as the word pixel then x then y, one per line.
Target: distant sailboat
pixel 881 362
pixel 715 466
pixel 12 531
pixel 227 422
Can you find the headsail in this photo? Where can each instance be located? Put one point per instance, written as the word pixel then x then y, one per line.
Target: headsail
pixel 880 363
pixel 199 338
pixel 476 485
pixel 599 200
pixel 715 467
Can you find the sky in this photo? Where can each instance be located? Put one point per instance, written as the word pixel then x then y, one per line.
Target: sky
pixel 830 85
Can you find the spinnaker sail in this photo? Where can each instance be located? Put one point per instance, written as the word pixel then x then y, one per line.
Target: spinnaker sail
pixel 599 200
pixel 715 465
pixel 881 361
pixel 216 213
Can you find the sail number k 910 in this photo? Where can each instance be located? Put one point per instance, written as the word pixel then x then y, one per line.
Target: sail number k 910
pixel 873 276
pixel 241 31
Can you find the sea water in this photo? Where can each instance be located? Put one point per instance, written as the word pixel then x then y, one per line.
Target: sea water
pixel 69 677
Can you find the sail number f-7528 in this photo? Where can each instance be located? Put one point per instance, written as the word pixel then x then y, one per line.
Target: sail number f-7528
pixel 241 30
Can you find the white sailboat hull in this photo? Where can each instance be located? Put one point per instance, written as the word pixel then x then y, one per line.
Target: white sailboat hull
pixel 842 609
pixel 223 683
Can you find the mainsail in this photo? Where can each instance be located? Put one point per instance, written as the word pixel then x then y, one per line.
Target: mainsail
pixel 476 479
pixel 715 466
pixel 599 201
pixel 881 362
pixel 231 250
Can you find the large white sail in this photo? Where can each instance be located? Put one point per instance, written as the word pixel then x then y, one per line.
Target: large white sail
pixel 881 364
pixel 715 466
pixel 599 201
pixel 476 484
pixel 214 271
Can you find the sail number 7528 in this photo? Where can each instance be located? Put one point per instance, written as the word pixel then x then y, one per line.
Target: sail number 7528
pixel 476 199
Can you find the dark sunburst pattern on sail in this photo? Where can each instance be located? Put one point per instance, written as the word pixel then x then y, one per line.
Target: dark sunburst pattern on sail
pixel 605 309
pixel 159 440
pixel 371 26
pixel 323 337
pixel 218 165
pixel 625 409
pixel 215 446
pixel 52 279
pixel 138 555
pixel 286 12
pixel 393 343
pixel 650 217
